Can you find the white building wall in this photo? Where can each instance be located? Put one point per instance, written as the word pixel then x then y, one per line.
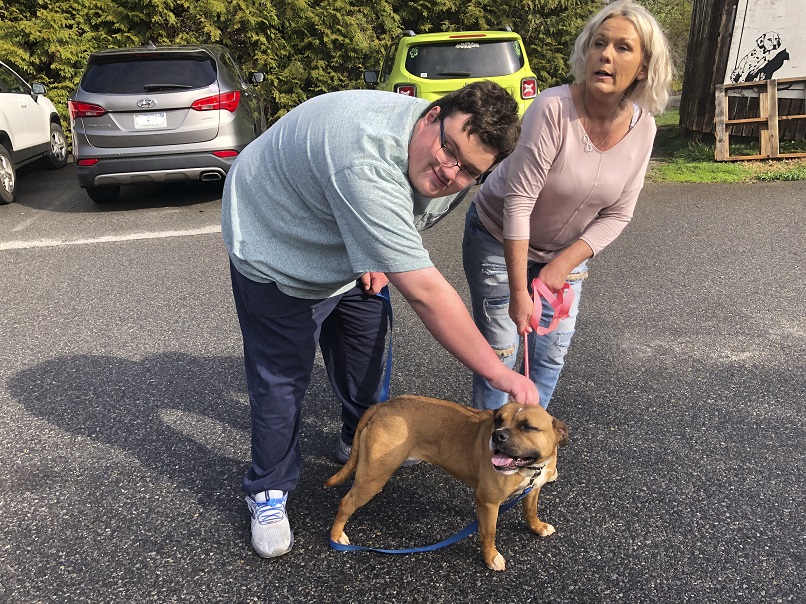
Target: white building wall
pixel 769 41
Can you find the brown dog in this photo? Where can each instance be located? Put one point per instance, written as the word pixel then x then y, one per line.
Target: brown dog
pixel 499 453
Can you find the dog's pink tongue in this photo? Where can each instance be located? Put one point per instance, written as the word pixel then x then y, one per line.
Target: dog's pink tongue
pixel 500 460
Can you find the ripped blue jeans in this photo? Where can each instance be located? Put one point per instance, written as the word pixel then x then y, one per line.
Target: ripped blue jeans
pixel 486 272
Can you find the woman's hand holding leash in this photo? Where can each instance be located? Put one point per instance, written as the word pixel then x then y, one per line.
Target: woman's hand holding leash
pixel 560 301
pixel 520 310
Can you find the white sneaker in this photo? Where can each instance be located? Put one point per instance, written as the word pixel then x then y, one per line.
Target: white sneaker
pixel 271 533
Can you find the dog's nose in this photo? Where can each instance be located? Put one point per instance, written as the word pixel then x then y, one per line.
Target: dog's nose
pixel 500 435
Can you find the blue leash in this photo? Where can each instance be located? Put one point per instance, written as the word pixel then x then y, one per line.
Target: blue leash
pixel 387 302
pixel 465 532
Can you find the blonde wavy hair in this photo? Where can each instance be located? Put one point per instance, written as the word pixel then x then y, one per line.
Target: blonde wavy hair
pixel 651 93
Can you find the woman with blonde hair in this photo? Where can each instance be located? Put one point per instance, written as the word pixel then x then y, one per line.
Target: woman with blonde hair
pixel 567 191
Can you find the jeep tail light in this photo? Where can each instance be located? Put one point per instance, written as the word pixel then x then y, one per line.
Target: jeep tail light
pixel 225 153
pixel 87 162
pixel 227 101
pixel 407 89
pixel 79 109
pixel 528 88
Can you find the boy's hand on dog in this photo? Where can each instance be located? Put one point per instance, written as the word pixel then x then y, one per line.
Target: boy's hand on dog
pixel 519 387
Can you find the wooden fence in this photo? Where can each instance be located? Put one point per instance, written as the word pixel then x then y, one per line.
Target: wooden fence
pixel 780 113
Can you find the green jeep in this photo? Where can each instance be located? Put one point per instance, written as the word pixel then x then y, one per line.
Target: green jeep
pixel 432 65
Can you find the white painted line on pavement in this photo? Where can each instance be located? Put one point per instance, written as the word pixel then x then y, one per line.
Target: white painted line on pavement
pixel 36 216
pixel 25 224
pixel 23 245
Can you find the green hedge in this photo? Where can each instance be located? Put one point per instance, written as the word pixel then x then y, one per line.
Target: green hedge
pixel 304 48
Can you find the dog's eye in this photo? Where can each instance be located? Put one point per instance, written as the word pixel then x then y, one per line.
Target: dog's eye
pixel 529 428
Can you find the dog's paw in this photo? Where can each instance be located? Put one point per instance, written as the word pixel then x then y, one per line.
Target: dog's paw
pixel 545 530
pixel 342 539
pixel 497 562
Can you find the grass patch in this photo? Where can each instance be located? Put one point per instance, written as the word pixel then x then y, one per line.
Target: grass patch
pixel 668 118
pixel 686 171
pixel 796 170
pixel 677 159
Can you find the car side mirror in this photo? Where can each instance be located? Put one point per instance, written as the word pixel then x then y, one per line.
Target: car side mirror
pixel 370 76
pixel 37 88
pixel 256 77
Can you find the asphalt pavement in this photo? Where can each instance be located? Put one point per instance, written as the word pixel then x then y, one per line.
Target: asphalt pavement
pixel 124 427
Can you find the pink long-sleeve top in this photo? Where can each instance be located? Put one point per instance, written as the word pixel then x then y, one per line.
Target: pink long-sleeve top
pixel 555 189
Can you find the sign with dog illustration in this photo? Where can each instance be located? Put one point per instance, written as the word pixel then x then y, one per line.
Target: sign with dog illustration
pixel 768 42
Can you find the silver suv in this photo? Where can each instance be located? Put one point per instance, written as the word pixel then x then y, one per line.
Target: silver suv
pixel 30 129
pixel 161 114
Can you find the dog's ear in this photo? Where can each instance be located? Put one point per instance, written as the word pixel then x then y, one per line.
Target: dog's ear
pixel 562 431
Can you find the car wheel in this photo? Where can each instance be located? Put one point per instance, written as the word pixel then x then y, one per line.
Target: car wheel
pixel 57 156
pixel 8 177
pixel 103 194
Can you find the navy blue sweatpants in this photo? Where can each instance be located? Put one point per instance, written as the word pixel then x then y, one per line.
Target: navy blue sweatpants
pixel 280 335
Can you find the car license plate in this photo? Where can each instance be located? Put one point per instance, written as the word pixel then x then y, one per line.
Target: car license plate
pixel 143 121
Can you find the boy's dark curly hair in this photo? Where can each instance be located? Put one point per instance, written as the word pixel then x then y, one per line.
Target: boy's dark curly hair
pixel 493 114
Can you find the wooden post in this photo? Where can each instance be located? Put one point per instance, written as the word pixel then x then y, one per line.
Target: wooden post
pixel 772 117
pixel 764 112
pixel 722 148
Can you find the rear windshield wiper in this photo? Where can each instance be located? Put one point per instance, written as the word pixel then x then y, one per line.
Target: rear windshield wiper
pixel 156 87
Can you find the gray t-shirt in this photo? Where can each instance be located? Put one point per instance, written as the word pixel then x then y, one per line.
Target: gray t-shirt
pixel 323 196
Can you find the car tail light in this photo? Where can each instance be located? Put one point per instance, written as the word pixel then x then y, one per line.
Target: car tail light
pixel 225 153
pixel 407 89
pixel 87 162
pixel 79 109
pixel 227 101
pixel 528 88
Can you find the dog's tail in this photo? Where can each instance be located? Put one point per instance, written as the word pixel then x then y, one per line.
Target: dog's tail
pixel 349 467
pixel 346 470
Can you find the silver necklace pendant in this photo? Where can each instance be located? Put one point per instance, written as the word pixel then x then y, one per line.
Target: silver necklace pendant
pixel 586 139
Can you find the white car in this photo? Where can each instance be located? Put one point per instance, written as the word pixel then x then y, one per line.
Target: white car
pixel 30 129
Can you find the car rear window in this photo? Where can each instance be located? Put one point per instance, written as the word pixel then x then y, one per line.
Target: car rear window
pixel 465 59
pixel 128 75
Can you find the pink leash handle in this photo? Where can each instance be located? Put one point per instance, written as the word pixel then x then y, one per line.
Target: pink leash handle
pixel 561 303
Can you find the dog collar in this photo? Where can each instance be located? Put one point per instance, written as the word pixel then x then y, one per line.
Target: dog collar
pixel 535 474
